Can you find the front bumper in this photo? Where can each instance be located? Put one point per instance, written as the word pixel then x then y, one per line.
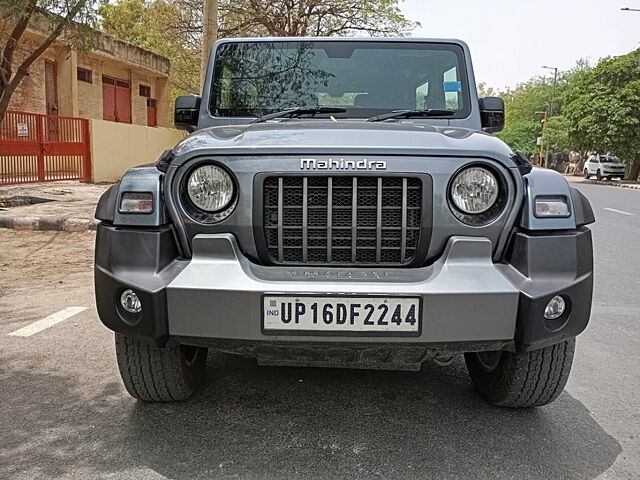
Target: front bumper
pixel 469 302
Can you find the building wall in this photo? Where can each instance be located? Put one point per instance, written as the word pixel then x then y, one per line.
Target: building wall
pixel 135 145
pixel 29 96
pixel 78 98
pixel 90 94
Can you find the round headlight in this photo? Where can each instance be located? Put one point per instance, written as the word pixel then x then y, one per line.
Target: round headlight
pixel 210 188
pixel 474 190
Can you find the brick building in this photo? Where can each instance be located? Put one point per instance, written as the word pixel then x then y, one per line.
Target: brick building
pixel 118 81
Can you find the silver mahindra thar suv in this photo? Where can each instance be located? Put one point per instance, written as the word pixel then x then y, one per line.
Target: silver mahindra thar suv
pixel 343 203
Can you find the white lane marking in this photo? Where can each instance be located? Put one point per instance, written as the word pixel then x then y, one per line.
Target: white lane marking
pixel 617 211
pixel 47 322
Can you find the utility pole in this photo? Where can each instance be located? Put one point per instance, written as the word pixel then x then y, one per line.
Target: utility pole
pixel 209 34
pixel 553 93
pixel 551 104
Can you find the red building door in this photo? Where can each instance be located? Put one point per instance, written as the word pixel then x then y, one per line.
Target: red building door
pixel 152 113
pixel 116 100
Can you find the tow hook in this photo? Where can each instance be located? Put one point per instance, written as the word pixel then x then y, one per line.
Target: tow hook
pixel 442 361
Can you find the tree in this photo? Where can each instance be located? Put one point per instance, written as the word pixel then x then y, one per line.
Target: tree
pixel 485 91
pixel 556 134
pixel 603 109
pixel 522 125
pixel 156 26
pixel 173 28
pixel 71 20
pixel 313 18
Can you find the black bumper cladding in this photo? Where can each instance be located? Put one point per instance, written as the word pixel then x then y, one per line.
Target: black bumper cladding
pixel 543 266
pixel 539 265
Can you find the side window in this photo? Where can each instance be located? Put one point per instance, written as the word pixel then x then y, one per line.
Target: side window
pixel 445 93
pixel 452 89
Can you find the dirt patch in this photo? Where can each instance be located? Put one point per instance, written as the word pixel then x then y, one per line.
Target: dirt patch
pixel 26 256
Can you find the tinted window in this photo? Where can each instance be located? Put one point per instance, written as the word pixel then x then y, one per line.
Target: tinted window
pixel 367 78
pixel 604 159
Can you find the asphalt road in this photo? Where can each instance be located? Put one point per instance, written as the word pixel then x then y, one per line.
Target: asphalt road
pixel 64 412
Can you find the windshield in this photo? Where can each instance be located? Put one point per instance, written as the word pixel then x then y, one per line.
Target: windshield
pixel 609 160
pixel 366 78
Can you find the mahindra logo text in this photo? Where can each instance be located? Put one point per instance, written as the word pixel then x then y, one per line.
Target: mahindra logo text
pixel 341 164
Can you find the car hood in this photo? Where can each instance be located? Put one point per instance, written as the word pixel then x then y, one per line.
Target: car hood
pixel 343 137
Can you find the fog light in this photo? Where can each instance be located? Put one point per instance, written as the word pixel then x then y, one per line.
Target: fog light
pixel 130 301
pixel 555 308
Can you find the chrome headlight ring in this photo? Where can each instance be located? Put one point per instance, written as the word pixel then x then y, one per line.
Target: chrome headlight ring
pixel 208 193
pixel 477 194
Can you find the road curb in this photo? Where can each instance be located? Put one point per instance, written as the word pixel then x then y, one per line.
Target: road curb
pixel 612 184
pixel 64 224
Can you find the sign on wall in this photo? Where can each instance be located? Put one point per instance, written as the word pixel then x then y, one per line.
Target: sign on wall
pixel 23 129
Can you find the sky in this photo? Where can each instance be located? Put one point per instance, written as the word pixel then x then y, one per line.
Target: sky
pixel 511 39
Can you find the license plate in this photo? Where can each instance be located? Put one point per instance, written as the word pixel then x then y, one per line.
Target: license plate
pixel 341 315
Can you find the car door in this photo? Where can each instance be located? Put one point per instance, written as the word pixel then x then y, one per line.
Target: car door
pixel 593 165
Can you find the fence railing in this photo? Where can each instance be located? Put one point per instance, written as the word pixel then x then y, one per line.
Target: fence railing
pixel 41 148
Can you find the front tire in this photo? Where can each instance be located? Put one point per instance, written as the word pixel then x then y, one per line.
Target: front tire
pixel 599 175
pixel 154 374
pixel 521 380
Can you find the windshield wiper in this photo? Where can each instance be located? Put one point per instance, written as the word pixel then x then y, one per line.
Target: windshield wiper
pixel 428 112
pixel 296 112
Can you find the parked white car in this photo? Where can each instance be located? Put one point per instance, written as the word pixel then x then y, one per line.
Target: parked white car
pixel 604 166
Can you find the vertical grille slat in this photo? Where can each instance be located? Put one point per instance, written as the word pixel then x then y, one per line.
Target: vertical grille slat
pixel 342 219
pixel 280 219
pixel 354 219
pixel 305 219
pixel 379 222
pixel 329 217
pixel 403 226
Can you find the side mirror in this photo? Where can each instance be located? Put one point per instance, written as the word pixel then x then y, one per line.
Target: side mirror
pixel 185 115
pixel 492 114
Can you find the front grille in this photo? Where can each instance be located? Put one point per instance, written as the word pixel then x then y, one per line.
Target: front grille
pixel 344 220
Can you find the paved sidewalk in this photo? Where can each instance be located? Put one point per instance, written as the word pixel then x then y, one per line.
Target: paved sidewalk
pixel 65 205
pixel 608 183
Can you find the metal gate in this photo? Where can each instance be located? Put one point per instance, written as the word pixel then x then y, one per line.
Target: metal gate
pixel 43 148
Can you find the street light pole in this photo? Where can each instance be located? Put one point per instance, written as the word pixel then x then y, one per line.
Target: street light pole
pixel 209 34
pixel 555 82
pixel 551 104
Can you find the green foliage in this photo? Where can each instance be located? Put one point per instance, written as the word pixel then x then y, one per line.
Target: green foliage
pixel 522 125
pixel 603 107
pixel 556 134
pixel 485 91
pixel 77 18
pixel 313 18
pixel 154 25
